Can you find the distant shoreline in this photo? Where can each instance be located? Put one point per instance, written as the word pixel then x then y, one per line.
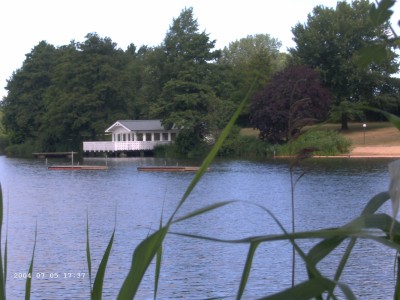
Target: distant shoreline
pixel 363 152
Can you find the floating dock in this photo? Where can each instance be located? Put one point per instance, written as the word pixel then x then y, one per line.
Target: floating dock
pixel 76 167
pixel 54 154
pixel 169 169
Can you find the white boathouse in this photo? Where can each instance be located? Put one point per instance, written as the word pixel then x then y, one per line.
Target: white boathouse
pixel 133 135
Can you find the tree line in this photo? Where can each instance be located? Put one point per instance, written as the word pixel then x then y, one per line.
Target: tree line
pixel 64 95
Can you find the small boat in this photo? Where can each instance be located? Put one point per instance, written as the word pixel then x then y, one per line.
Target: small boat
pixel 76 167
pixel 169 168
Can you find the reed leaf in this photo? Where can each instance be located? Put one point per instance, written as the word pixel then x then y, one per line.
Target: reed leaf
pixel 98 281
pixel 322 249
pixel 2 272
pixel 28 283
pixel 158 271
pixel 142 257
pixel 149 247
pixel 372 206
pixel 5 252
pixel 203 210
pixel 247 268
pixel 397 286
pixel 97 290
pixel 305 290
pixel 375 203
pixel 88 258
pixel 158 266
pixel 214 151
pixel 395 120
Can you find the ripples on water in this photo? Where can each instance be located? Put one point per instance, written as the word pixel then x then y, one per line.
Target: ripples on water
pixel 330 194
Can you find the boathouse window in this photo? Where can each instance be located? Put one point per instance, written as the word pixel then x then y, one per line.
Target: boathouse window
pixel 119 137
pixel 139 136
pixel 148 136
pixel 129 137
pixel 124 137
pixel 165 136
pixel 157 136
pixel 173 136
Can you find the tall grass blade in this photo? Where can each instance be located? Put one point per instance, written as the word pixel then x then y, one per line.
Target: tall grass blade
pixel 325 247
pixel 158 271
pixel 5 252
pixel 397 287
pixel 375 203
pixel 203 210
pixel 2 272
pixel 214 151
pixel 29 277
pixel 247 268
pixel 88 258
pixel 372 206
pixel 142 257
pixel 158 266
pixel 311 289
pixel 149 247
pixel 322 249
pixel 305 290
pixel 395 120
pixel 98 281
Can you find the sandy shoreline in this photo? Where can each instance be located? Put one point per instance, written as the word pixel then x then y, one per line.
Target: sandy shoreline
pixel 375 151
pixel 365 152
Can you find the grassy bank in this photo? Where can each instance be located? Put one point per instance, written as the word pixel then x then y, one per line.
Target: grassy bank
pixel 375 134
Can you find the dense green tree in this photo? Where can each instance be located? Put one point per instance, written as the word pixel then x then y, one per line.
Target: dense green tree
pixel 254 57
pixel 330 41
pixel 23 106
pixel 91 89
pixel 185 69
pixel 188 51
pixel 294 98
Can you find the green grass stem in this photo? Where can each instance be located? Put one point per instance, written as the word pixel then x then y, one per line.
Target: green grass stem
pixel 99 279
pixel 88 257
pixel 2 271
pixel 28 283
pixel 149 247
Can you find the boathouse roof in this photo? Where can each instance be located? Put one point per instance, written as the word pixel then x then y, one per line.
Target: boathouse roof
pixel 138 125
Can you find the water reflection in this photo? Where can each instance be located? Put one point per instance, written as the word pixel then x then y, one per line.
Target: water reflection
pixel 331 193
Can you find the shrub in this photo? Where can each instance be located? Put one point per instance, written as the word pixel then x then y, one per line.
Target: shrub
pixel 245 146
pixel 22 150
pixel 329 142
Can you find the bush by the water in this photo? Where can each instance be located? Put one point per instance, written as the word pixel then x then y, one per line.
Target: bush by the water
pixel 22 150
pixel 329 142
pixel 245 147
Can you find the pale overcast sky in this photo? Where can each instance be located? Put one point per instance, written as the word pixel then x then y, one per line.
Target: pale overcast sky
pixel 24 23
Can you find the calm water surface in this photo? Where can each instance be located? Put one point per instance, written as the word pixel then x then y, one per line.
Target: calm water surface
pixel 330 194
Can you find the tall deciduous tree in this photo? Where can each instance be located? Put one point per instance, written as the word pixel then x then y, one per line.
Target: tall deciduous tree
pixel 292 99
pixel 91 88
pixel 187 99
pixel 253 57
pixel 23 106
pixel 330 42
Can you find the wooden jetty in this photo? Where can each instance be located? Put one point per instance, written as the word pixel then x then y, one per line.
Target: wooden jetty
pixel 76 167
pixel 168 168
pixel 54 154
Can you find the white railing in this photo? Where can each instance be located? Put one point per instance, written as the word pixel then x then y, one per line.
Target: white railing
pixel 121 146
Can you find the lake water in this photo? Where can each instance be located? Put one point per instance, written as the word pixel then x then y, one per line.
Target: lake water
pixel 330 194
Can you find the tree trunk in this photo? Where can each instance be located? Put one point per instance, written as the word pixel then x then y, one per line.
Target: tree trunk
pixel 344 122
